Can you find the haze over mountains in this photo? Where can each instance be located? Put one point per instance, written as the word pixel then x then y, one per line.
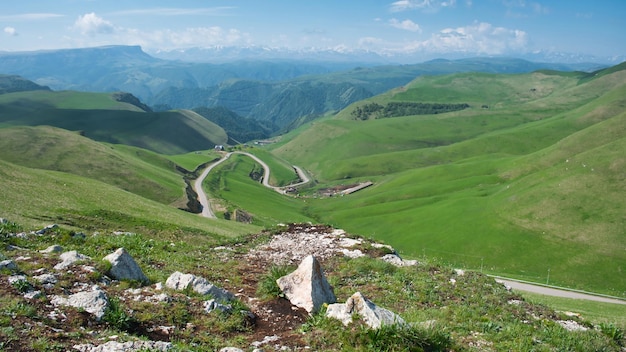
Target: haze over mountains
pixel 280 94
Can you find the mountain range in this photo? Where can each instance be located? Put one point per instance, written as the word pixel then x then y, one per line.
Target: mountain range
pixel 281 94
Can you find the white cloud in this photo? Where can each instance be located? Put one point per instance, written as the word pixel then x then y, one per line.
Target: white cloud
pixel 406 25
pixel 427 5
pixel 10 31
pixel 91 24
pixel 478 38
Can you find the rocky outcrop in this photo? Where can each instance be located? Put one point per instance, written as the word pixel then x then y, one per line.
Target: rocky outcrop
pixel 371 314
pixel 114 346
pixel 94 301
pixel 180 281
pixel 124 267
pixel 307 287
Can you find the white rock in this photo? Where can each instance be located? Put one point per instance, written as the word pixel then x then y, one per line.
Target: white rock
pixel 231 349
pixel 94 301
pixel 114 346
pixel 571 325
pixel 307 287
pixel 52 249
pixel 180 281
pixel 33 295
pixel 8 264
pixel 352 254
pixel 371 314
pixel 380 245
pixel 46 279
pixel 69 258
pixel 212 305
pixel 397 261
pixel 349 242
pixel 124 267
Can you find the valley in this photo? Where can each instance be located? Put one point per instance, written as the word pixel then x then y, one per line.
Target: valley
pixel 495 167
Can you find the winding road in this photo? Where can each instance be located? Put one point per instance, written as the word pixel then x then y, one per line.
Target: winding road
pixel 516 285
pixel 204 201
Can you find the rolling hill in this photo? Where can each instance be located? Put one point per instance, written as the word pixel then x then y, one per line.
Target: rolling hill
pixel 113 118
pixel 282 94
pixel 527 182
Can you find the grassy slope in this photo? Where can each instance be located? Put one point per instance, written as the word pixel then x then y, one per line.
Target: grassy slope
pixel 132 169
pixel 39 197
pixel 490 186
pixel 230 181
pixel 101 118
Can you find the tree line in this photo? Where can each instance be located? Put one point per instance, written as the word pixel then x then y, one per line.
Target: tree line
pixel 396 109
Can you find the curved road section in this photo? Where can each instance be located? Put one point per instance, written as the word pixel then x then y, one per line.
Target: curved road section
pixel 517 285
pixel 204 201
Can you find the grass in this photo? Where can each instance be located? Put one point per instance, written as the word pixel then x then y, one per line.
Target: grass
pixel 37 198
pixel 512 188
pixel 99 117
pixel 595 312
pixel 231 182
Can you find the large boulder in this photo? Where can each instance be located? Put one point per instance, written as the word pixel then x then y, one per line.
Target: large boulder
pixel 371 314
pixel 180 281
pixel 307 287
pixel 94 301
pixel 124 267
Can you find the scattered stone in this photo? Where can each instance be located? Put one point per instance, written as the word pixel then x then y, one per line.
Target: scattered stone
pixel 8 265
pixel 349 242
pixel 307 287
pixel 13 279
pixel 397 261
pixel 231 349
pixel 266 340
pixel 212 305
pixel 52 249
pixel 459 272
pixel 124 267
pixel 571 325
pixel 114 346
pixel 46 229
pixel 33 295
pixel 180 281
pixel 371 314
pixel 380 245
pixel 69 258
pixel 352 254
pixel 94 301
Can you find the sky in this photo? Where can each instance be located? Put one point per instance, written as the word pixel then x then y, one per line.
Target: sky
pixel 387 27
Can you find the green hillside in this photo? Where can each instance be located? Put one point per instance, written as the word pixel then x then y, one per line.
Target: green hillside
pixel 36 198
pixel 132 169
pixel 527 182
pixel 103 117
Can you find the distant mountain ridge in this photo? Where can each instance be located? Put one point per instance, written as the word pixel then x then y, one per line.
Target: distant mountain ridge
pixel 279 92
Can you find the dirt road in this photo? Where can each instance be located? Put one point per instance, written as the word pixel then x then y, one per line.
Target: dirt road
pixel 204 201
pixel 551 291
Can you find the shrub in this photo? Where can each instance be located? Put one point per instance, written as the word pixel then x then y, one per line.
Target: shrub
pixel 267 287
pixel 117 317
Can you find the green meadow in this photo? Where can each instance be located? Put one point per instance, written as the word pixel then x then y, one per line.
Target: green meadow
pixel 527 182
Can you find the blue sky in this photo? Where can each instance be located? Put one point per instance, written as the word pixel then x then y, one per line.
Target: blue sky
pixel 430 27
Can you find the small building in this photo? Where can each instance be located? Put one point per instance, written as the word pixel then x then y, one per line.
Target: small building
pixel 219 147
